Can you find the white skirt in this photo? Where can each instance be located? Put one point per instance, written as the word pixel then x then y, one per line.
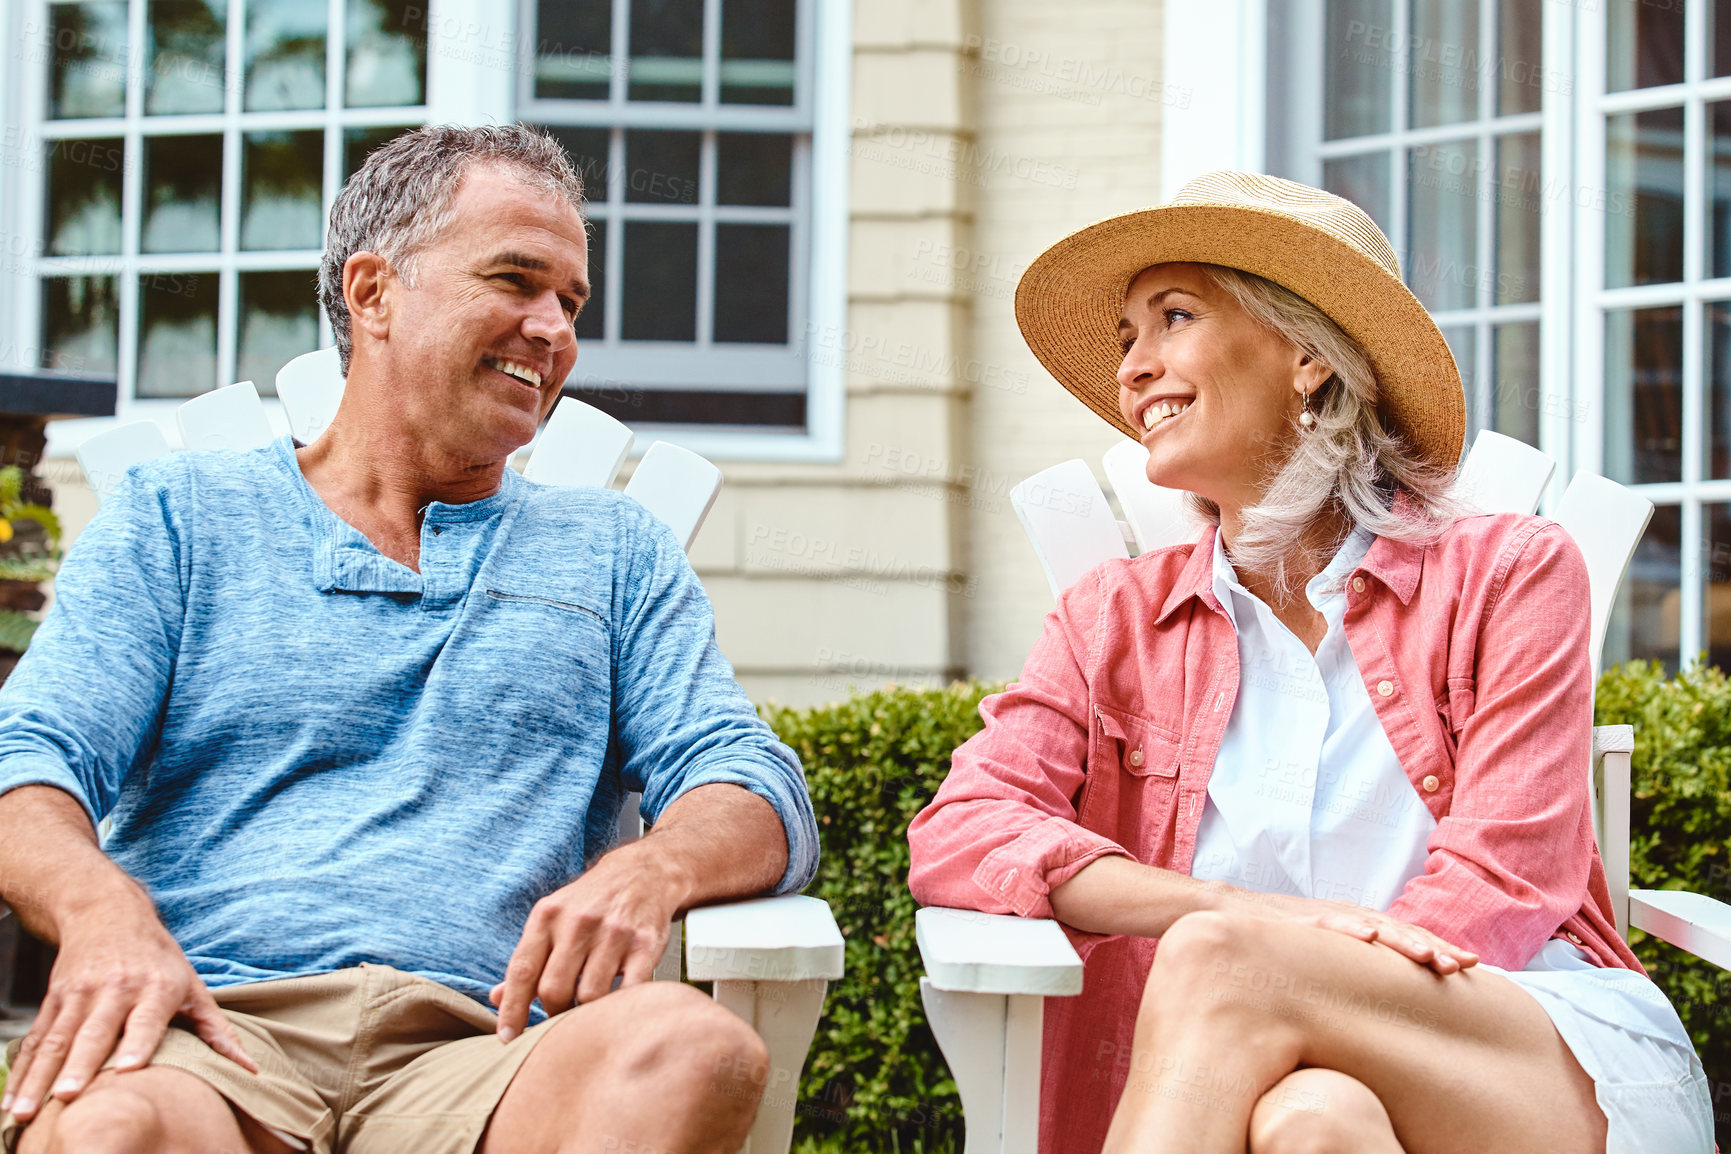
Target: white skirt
pixel 1629 1040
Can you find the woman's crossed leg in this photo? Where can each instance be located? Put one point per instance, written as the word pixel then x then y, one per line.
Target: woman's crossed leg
pixel 1282 1037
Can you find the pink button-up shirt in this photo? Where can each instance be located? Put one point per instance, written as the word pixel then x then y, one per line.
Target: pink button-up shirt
pixel 1474 653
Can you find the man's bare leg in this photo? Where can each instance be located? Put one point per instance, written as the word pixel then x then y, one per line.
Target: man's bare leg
pixel 1461 1064
pixel 653 1067
pixel 156 1110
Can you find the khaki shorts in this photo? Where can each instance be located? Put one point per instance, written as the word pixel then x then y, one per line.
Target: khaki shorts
pixel 361 1061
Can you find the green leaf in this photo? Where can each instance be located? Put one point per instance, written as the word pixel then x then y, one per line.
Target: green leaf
pixel 16 629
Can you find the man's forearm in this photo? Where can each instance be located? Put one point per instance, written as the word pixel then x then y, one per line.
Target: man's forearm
pixel 51 867
pixel 716 842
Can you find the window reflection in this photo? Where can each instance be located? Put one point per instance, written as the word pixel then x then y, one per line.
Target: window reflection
pixel 1644 197
pixel 1643 44
pixel 660 301
pixel 183 194
pixel 662 167
pixel 1716 584
pixel 666 50
pixel 1644 395
pixel 757 52
pixel 83 201
pixel 751 271
pixel 1520 203
pixel 81 325
pixel 1719 182
pixel 573 49
pixel 188 44
pixel 87 74
pixel 754 168
pixel 387 63
pixel 1463 343
pixel 1358 62
pixel 1442 240
pixel 177 334
pixel 1362 179
pixel 1644 624
pixel 1443 61
pixel 279 321
pixel 1717 393
pixel 1518 401
pixel 1520 57
pixel 282 180
pixel 285 54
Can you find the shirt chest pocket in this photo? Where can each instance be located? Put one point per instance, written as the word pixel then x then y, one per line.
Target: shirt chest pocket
pixel 1134 744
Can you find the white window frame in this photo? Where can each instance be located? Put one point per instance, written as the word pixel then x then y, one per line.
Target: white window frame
pixel 1693 294
pixel 467 40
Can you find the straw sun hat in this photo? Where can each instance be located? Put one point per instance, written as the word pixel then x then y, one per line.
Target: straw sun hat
pixel 1324 248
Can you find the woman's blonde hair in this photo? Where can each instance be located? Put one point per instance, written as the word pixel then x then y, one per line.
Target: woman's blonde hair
pixel 1349 461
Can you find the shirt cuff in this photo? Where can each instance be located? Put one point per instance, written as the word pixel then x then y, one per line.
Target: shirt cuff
pixel 797 823
pixel 1022 872
pixel 21 769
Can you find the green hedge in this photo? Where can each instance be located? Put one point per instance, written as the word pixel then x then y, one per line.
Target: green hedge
pixel 1680 826
pixel 875 1080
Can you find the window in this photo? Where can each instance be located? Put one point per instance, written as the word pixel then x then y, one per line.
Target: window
pixel 1655 323
pixel 692 121
pixel 1427 114
pixel 189 151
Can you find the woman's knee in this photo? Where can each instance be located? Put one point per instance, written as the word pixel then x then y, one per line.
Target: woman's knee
pixel 1202 949
pixel 1320 1112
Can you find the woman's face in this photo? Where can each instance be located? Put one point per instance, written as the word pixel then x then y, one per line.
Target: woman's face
pixel 1190 346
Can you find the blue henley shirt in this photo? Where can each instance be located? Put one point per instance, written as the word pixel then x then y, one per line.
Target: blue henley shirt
pixel 315 756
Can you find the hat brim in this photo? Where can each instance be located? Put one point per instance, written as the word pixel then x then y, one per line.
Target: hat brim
pixel 1069 301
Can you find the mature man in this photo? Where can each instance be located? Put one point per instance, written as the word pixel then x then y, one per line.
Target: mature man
pixel 361 711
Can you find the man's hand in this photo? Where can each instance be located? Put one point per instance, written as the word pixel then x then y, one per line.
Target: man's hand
pixel 119 978
pixel 612 920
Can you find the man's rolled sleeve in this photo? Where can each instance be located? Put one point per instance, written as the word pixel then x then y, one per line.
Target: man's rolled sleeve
pixel 681 720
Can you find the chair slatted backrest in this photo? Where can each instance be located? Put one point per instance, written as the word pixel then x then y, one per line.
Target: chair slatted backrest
pixel 231 417
pixel 1067 518
pixel 1606 521
pixel 676 485
pixel 1156 514
pixel 1503 475
pixel 311 389
pixel 106 456
pixel 580 445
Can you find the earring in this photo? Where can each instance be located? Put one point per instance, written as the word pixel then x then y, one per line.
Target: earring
pixel 1307 418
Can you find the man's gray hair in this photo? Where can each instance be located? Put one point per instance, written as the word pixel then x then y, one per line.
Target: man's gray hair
pixel 1350 461
pixel 400 200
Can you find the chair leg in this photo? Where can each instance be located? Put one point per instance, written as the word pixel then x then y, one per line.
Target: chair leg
pixel 992 1045
pixel 785 1015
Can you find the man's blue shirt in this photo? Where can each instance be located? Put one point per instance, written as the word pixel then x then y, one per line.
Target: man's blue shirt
pixel 316 757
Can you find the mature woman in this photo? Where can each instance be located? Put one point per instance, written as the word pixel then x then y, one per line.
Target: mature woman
pixel 1330 758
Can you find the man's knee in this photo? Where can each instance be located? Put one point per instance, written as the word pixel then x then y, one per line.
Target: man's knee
pixel 1317 1112
pixel 108 1118
pixel 687 1036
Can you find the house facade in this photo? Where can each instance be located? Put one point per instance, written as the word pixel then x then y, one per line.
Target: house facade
pixel 808 220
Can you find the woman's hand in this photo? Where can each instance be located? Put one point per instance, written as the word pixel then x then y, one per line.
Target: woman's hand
pixel 1367 925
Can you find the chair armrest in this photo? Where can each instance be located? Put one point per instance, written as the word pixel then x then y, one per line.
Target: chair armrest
pixel 968 951
pixel 1692 922
pixel 786 939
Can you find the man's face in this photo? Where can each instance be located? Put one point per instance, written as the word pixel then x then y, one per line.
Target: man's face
pixel 479 347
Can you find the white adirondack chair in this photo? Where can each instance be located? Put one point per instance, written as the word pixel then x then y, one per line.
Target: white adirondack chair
pixel 988 975
pixel 771 959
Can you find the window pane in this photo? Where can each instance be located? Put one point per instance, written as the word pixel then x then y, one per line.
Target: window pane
pixel 590 322
pixel 587 148
pixel 1521 56
pixel 1463 344
pixel 1719 16
pixel 282 178
pixel 285 54
pixel 1362 179
pixel 1644 622
pixel 1644 395
pixel 83 201
pixel 188 42
pixel 279 320
pixel 88 74
pixel 81 325
pixel 358 144
pixel 1358 60
pixel 1643 44
pixel 757 49
pixel 573 49
pixel 387 53
pixel 1442 222
pixel 1719 176
pixel 751 271
pixel 1644 197
pixel 1520 200
pixel 176 334
pixel 182 194
pixel 1444 62
pixel 661 282
pixel 662 167
pixel 1718 390
pixel 1716 584
pixel 1517 383
pixel 753 168
pixel 666 50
